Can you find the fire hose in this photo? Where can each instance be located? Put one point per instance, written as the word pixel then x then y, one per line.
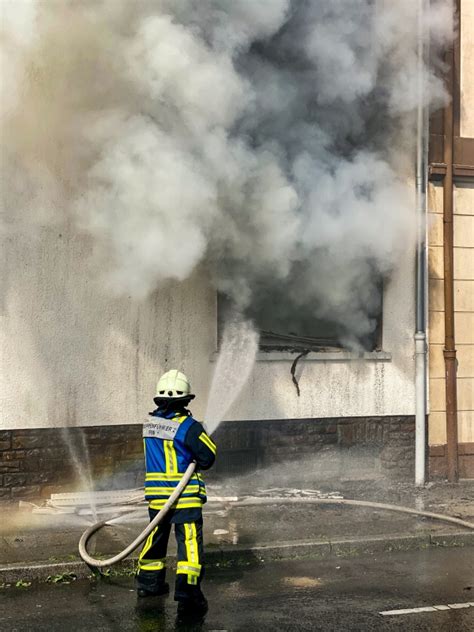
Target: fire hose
pixel 94 563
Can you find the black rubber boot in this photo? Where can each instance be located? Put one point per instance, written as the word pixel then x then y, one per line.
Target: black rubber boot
pixel 161 590
pixel 193 607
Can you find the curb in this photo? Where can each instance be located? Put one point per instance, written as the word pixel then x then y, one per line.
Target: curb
pixel 253 555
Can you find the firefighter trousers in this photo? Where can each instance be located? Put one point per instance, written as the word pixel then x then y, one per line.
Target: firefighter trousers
pixel 152 560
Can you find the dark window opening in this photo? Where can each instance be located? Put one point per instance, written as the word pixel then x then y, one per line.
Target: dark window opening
pixel 285 326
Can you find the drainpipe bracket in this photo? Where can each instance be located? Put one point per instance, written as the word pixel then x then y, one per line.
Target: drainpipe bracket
pixel 420 342
pixel 449 354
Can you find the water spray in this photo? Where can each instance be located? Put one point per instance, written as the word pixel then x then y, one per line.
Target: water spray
pixel 234 364
pixel 236 359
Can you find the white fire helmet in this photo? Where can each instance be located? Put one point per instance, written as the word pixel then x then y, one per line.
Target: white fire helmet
pixel 173 384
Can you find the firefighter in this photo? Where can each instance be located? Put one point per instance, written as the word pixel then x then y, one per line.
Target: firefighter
pixel 172 440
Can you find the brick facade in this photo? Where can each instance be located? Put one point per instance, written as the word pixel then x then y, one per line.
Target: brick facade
pixel 35 463
pixel 388 440
pixel 438 460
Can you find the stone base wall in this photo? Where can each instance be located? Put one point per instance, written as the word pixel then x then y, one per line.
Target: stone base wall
pixel 438 461
pixel 37 462
pixel 377 445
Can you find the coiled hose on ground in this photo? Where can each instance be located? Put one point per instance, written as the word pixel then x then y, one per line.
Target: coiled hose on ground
pixel 94 563
pixel 248 502
pixel 97 564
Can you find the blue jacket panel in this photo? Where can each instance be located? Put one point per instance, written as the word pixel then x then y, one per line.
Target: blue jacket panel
pixel 171 443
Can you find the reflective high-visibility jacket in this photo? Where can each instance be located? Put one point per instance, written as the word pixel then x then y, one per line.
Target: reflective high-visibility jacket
pixel 171 442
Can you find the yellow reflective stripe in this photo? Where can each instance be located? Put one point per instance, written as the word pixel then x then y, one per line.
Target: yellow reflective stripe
pixel 192 545
pixel 190 489
pixel 154 476
pixel 211 441
pixel 187 537
pixel 185 503
pixel 169 478
pixel 185 500
pixel 170 458
pixel 174 458
pixel 191 566
pixel 186 571
pixel 159 476
pixel 153 505
pixel 148 543
pixel 144 452
pixel 151 565
pixel 208 442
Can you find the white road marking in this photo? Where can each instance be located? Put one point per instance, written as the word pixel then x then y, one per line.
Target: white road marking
pixel 449 606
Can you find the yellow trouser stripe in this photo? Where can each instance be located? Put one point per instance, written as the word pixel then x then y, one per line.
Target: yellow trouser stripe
pixel 184 567
pixel 148 543
pixel 191 567
pixel 151 565
pixel 170 458
pixel 208 442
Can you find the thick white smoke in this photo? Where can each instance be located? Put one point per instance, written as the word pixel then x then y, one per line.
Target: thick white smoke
pixel 270 140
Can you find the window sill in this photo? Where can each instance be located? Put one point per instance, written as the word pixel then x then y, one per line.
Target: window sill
pixel 319 356
pixel 324 356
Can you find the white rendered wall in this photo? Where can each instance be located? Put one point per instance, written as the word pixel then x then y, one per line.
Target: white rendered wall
pixel 72 354
pixel 467 68
pixel 463 313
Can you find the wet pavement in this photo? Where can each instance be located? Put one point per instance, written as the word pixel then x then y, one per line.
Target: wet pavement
pixel 329 594
pixel 230 528
pixel 27 538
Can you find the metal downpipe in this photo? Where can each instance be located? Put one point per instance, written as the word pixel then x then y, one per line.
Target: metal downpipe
pixel 449 351
pixel 421 261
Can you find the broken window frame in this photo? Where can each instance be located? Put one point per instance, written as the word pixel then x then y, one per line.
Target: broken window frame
pixel 289 343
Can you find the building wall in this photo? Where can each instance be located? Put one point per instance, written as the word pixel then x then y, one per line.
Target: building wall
pixel 464 312
pixel 35 463
pixel 464 307
pixel 467 68
pixel 75 355
pixel 464 247
pixel 437 396
pixel 72 352
pixel 463 284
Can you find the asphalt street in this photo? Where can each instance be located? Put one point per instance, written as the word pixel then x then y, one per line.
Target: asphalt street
pixel 330 594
